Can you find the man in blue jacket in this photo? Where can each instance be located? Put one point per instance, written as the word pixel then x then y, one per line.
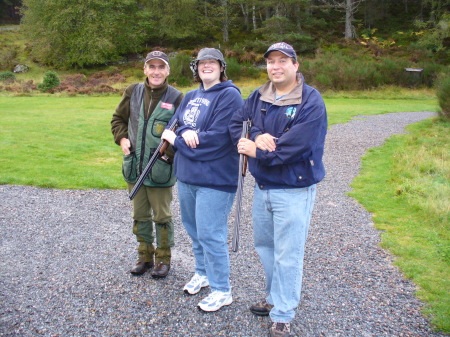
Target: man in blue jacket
pixel 285 149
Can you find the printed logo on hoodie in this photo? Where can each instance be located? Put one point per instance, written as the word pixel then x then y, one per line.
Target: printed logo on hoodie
pixel 193 110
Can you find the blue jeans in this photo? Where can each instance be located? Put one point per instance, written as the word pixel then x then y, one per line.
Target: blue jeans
pixel 204 212
pixel 281 220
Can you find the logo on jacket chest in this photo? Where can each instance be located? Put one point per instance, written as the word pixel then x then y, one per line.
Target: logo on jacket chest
pixel 290 112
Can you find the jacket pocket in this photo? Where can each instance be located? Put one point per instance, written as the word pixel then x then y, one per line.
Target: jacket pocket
pixel 162 173
pixel 129 168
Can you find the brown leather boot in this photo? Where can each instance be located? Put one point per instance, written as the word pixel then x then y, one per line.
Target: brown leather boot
pixel 160 270
pixel 141 267
pixel 162 252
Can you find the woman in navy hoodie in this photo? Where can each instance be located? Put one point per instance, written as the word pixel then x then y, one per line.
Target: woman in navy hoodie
pixel 206 166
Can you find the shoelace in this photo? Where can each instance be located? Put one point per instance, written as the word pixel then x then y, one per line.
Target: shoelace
pixel 195 279
pixel 214 296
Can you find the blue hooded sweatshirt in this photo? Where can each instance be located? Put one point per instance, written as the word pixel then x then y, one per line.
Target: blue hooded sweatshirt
pixel 214 162
pixel 299 122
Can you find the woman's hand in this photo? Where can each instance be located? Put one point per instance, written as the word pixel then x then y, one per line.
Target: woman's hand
pixel 169 136
pixel 247 147
pixel 191 138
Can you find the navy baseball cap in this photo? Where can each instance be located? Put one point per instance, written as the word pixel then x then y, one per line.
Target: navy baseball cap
pixel 156 54
pixel 282 47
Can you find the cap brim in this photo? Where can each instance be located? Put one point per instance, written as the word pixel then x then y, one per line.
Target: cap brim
pixel 207 57
pixel 266 55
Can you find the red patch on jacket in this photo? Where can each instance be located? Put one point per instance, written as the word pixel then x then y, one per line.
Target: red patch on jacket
pixel 167 106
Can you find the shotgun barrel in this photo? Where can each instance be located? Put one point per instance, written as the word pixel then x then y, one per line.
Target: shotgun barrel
pixel 240 188
pixel 159 152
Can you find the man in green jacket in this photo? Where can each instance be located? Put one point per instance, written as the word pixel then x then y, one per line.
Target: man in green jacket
pixel 137 125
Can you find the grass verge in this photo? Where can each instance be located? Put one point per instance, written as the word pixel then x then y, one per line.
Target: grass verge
pixel 405 184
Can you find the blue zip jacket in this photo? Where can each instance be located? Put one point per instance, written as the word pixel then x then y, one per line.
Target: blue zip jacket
pixel 299 122
pixel 214 162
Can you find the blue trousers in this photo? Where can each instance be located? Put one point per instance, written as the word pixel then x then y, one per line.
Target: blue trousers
pixel 281 220
pixel 204 212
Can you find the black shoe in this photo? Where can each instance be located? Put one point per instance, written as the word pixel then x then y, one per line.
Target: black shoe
pixel 141 267
pixel 160 270
pixel 262 308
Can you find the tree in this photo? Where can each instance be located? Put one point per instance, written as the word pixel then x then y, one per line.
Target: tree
pixel 83 33
pixel 285 20
pixel 349 7
pixel 225 21
pixel 437 8
pixel 178 23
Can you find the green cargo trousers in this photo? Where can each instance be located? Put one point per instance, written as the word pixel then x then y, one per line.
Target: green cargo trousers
pixel 152 205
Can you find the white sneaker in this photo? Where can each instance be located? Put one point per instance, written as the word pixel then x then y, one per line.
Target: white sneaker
pixel 216 300
pixel 196 283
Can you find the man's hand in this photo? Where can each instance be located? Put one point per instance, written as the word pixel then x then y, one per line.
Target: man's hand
pixel 191 138
pixel 125 145
pixel 265 141
pixel 247 147
pixel 169 135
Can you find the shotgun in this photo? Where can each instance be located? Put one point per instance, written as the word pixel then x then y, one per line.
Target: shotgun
pixel 159 152
pixel 246 125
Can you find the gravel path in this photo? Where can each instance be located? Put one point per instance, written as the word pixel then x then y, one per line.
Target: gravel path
pixel 65 257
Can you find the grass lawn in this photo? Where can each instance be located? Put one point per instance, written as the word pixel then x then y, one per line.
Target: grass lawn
pixel 65 142
pixel 59 142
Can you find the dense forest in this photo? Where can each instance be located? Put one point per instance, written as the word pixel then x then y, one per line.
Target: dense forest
pixel 342 44
pixel 65 33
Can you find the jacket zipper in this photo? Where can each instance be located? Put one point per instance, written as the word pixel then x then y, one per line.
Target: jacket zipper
pixel 144 132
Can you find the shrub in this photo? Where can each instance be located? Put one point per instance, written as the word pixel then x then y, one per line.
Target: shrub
pixel 51 80
pixel 76 80
pixel 248 52
pixel 323 82
pixel 180 72
pixel 392 71
pixel 431 71
pixel 7 76
pixel 348 70
pixel 251 71
pixel 8 57
pixel 236 70
pixel 443 94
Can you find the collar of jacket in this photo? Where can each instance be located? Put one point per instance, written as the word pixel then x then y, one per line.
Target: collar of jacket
pixel 158 91
pixel 267 92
